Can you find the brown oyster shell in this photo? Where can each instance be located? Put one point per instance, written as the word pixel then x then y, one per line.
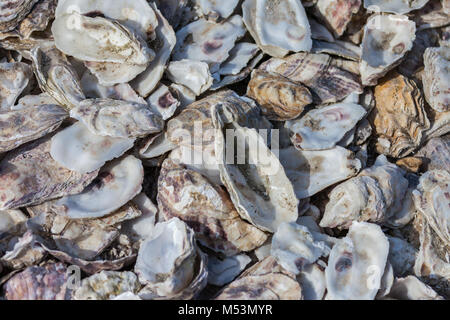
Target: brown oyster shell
pixel 266 280
pixel 14 11
pixel 279 98
pixel 399 117
pixel 330 79
pixel 208 210
pixel 29 175
pixel 39 283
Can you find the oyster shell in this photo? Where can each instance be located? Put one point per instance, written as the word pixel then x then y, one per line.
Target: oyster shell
pixel 239 58
pixel 402 256
pixel 437 153
pixel 195 75
pixel 215 9
pixel 266 280
pixel 323 128
pixel 13 12
pixel 312 281
pixel 25 252
pixel 155 146
pixel 356 263
pixel 78 149
pixel 375 195
pixel 313 171
pixel 221 272
pixel 387 38
pixel 207 209
pixel 435 14
pixel 436 78
pixel 107 285
pixel 117 183
pixel 400 120
pixel 162 102
pixel 320 73
pixel 411 288
pixel 396 6
pixel 337 14
pixel 49 282
pixel 29 175
pixel 266 20
pixel 279 98
pixel 21 126
pixel 116 118
pixel 14 78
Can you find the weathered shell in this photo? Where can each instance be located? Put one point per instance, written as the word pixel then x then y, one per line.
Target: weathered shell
pixel 337 14
pixel 106 285
pixel 11 222
pixel 266 280
pixel 394 6
pixel 116 118
pixel 19 127
pixel 295 247
pixel 330 79
pixel 215 9
pixel 437 153
pixel 252 174
pixel 13 12
pixel 436 78
pixel 323 128
pixel 195 75
pixel 155 146
pixel 14 78
pixel 312 171
pixel 278 27
pixel 78 149
pixel 338 48
pixel 387 38
pixel 223 271
pixel 357 263
pixel 25 252
pixel 279 98
pixel 29 101
pixel 313 282
pixel 375 195
pixel 117 183
pixel 399 117
pixel 56 76
pixel 435 14
pixel 29 175
pixel 162 102
pixel 140 228
pixel 402 256
pixel 411 288
pixel 49 282
pixel 165 41
pixel 239 58
pixel 207 209
pixel 440 124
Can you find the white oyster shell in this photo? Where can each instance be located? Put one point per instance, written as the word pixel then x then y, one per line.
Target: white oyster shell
pixel 155 146
pixel 118 182
pixel 223 271
pixel 323 128
pixel 278 27
pixel 357 263
pixel 411 288
pixel 215 8
pixel 313 282
pixel 195 75
pixel 387 38
pixel 239 58
pixel 162 102
pixel 436 78
pixel 295 247
pixel 14 78
pixel 312 171
pixel 78 149
pixel 141 228
pixel 394 6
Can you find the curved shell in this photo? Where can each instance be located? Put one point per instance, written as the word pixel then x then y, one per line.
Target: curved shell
pixel 402 256
pixel 437 153
pixel 216 9
pixel 323 128
pixel 223 271
pixel 313 282
pixel 312 171
pixel 337 14
pixel 49 282
pixel 116 118
pixel 411 288
pixel 279 98
pixel 13 12
pixel 207 209
pixel 319 72
pixel 436 78
pixel 117 183
pixel 19 127
pixel 278 26
pixel 399 118
pixel 14 78
pixel 78 149
pixel 394 6
pixel 266 280
pixel 195 75
pixel 357 263
pixel 387 38
pixel 29 175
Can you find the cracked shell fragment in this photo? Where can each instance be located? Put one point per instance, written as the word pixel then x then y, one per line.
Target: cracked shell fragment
pixel 13 12
pixel 195 75
pixel 78 149
pixel 223 271
pixel 436 78
pixel 14 78
pixel 280 98
pixel 356 263
pixel 117 183
pixel 21 126
pixel 394 6
pixel 323 128
pixel 116 118
pixel 411 288
pixel 49 282
pixel 207 209
pixel 278 27
pixel 387 38
pixel 266 280
pixel 29 175
pixel 399 118
pixel 337 14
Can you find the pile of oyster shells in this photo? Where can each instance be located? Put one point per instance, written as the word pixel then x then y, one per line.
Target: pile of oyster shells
pixel 120 177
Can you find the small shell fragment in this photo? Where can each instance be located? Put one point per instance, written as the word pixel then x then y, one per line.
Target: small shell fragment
pixel 195 75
